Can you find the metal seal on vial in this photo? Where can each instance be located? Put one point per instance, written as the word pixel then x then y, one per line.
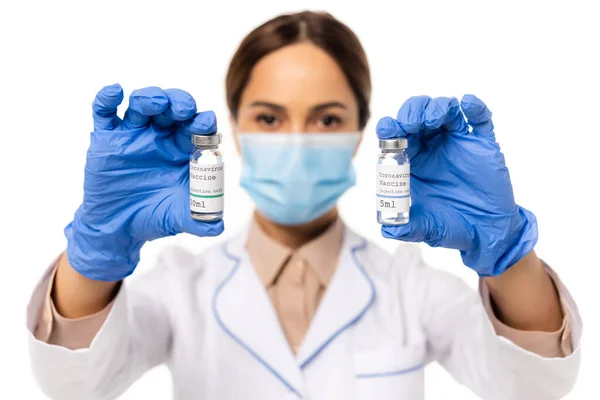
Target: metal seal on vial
pixel 206 140
pixel 393 144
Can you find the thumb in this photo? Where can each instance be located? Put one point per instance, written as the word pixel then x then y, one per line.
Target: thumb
pixel 421 228
pixel 198 228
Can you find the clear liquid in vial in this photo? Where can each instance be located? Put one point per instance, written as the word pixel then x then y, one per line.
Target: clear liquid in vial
pixel 210 199
pixel 393 208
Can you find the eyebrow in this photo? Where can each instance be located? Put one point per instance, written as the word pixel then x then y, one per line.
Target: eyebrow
pixel 280 108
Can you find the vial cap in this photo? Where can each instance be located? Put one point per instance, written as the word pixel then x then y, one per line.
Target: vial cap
pixel 206 140
pixel 393 144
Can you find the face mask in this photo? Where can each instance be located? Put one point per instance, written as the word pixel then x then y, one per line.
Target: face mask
pixel 295 178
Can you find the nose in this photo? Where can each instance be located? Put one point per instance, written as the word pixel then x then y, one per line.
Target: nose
pixel 298 125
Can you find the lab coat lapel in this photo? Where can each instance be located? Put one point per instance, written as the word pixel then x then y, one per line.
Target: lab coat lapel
pixel 245 313
pixel 349 295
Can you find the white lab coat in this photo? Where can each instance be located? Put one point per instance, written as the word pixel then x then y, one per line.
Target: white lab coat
pixel 381 320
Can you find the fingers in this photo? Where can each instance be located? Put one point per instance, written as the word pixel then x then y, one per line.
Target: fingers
pixel 408 123
pixel 444 112
pixel 143 104
pixel 175 216
pixel 389 128
pixel 417 230
pixel 203 123
pixel 163 106
pixel 104 107
pixel 478 115
pixel 425 116
pixel 411 114
pixel 182 106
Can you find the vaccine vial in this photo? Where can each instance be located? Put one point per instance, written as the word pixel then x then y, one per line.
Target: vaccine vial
pixel 393 182
pixel 206 178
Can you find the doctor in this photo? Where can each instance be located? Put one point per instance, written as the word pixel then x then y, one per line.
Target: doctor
pixel 298 306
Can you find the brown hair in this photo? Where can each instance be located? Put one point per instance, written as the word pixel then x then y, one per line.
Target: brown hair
pixel 321 29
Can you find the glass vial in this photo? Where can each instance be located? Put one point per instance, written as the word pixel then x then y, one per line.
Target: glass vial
pixel 393 182
pixel 206 178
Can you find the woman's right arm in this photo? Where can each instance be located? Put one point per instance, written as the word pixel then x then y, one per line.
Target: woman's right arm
pixel 136 189
pixel 76 296
pixel 100 354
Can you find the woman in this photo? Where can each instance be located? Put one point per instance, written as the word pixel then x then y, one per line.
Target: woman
pixel 298 306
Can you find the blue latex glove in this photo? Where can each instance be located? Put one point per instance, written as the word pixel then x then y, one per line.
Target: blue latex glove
pixel 461 193
pixel 136 185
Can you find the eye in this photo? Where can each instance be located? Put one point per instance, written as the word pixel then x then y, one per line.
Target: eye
pixel 329 121
pixel 267 119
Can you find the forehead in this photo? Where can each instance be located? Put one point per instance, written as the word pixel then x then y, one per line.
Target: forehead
pixel 298 74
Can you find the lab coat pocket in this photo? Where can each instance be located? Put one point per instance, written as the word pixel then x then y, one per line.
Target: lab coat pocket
pixel 390 372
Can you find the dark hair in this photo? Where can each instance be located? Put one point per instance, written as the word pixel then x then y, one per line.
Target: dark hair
pixel 321 29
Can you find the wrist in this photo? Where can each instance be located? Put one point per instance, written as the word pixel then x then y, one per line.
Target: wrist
pixel 75 296
pixel 525 237
pixel 97 256
pixel 524 296
pixel 527 268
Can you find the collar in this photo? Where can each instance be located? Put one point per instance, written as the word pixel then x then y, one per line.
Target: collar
pixel 269 256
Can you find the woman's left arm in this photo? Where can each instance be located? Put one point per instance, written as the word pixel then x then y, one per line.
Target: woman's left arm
pixel 462 198
pixel 524 296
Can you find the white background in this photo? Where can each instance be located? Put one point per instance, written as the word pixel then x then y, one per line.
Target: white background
pixel 536 65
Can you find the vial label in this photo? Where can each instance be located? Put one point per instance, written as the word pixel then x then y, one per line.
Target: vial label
pixel 206 188
pixel 393 188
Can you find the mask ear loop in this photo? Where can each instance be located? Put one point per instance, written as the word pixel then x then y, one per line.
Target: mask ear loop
pixel 358 142
pixel 234 132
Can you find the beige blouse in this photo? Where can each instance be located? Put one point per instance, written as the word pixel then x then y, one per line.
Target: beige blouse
pixel 295 281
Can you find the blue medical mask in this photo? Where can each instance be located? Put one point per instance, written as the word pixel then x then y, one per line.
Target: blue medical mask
pixel 295 178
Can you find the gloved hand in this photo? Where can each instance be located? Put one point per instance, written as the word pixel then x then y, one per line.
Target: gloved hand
pixel 136 185
pixel 461 193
